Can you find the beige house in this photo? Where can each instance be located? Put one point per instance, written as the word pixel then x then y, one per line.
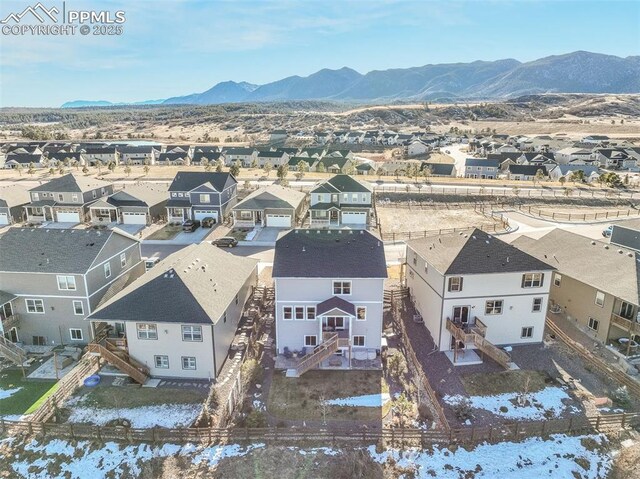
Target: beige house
pixel 178 319
pixel 274 206
pixel 595 285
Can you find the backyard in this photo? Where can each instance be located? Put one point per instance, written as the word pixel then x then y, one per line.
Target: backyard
pixel 403 219
pixel 18 395
pixel 341 395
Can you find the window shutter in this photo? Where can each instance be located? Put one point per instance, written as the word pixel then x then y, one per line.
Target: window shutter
pixel 460 287
pixel 522 283
pixel 541 279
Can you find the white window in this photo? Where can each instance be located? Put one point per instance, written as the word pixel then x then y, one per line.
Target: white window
pixel 311 341
pixel 345 197
pixel 188 362
pixel 532 280
pixel 493 307
pixel 74 197
pixel 192 333
pixel 594 324
pixel 361 313
pixel 358 340
pixel 342 287
pixel 35 306
pixel 354 197
pixel 311 312
pixel 246 215
pixel 75 334
pixel 287 312
pixel 180 195
pixel 147 331
pixel 60 197
pixel 107 270
pixel 78 308
pixel 123 260
pixel 35 196
pixel 527 332
pixel 557 279
pixel 600 298
pixel 205 198
pixel 66 283
pixel 455 283
pixel 299 312
pixel 537 305
pixel 162 361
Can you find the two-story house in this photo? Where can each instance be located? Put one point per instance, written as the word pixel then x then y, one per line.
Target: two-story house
pixel 328 298
pixel 595 284
pixel 475 291
pixel 65 199
pixel 12 201
pixel 56 277
pixel 341 200
pixel 274 158
pixel 198 195
pixel 246 156
pixel 482 168
pixel 138 154
pixel 180 318
pixel 100 155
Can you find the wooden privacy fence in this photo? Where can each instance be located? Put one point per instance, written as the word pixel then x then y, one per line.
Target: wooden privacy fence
pixel 632 385
pixel 405 235
pixel 590 216
pixel 410 436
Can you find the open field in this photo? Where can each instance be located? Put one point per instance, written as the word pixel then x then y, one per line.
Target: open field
pixel 414 220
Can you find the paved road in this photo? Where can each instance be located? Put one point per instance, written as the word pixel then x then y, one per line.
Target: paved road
pixel 455 151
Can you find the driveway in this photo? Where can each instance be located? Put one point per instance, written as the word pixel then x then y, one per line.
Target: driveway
pixel 58 226
pixel 269 234
pixel 131 229
pixel 184 238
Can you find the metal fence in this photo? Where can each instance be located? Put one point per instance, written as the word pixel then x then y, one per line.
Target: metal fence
pixel 579 217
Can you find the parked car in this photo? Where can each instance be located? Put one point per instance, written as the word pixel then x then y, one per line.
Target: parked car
pixel 208 222
pixel 227 241
pixel 150 262
pixel 607 231
pixel 190 225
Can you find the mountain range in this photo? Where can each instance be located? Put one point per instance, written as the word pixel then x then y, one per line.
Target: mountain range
pixel 577 72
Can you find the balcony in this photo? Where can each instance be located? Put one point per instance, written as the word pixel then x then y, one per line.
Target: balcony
pixel 629 325
pixel 9 322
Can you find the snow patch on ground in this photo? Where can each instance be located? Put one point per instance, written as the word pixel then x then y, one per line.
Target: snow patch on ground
pixel 368 400
pixel 166 415
pixel 548 399
pixel 558 457
pixel 6 393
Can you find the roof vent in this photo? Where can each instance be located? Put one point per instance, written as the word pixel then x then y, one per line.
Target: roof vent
pixel 593 242
pixel 507 259
pixel 318 231
pixel 361 232
pixel 296 231
pixel 606 246
pixel 304 249
pixel 487 241
pixel 620 251
pixel 630 254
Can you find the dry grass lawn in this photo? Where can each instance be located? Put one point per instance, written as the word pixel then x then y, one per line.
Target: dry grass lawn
pixel 488 384
pixel 414 220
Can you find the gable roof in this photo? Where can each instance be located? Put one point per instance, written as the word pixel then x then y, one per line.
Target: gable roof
pixel 172 156
pixel 335 303
pixel 273 196
pixel 24 158
pixel 530 170
pixel 194 285
pixel 14 195
pixel 189 180
pixel 140 194
pixel 609 268
pixel 329 254
pixel 474 253
pixel 482 162
pixel 71 183
pixel 239 151
pixel 63 251
pixel 340 184
pixel 627 234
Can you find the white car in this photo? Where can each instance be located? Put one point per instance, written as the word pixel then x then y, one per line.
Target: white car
pixel 150 262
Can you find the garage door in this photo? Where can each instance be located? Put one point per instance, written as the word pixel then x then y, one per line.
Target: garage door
pixel 202 214
pixel 4 219
pixel 134 218
pixel 68 217
pixel 354 218
pixel 279 221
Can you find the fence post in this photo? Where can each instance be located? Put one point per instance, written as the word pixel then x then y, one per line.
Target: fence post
pixel 2 426
pixel 598 423
pixel 71 431
pixel 624 419
pixel 515 431
pixel 570 424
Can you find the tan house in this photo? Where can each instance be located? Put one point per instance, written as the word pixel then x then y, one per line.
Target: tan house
pixel 274 206
pixel 596 284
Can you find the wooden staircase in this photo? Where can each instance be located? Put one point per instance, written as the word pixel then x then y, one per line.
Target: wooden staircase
pixel 328 347
pixel 120 359
pixel 475 335
pixel 12 352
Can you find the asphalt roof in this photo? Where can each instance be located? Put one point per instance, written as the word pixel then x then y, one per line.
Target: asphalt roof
pixel 194 285
pixel 14 195
pixel 609 268
pixel 309 253
pixel 335 303
pixel 143 194
pixel 341 183
pixel 71 183
pixel 189 180
pixel 627 234
pixel 481 162
pixel 42 250
pixel 6 297
pixel 476 252
pixel 273 196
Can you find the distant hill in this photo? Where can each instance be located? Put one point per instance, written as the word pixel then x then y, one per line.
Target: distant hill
pixel 577 72
pixel 96 103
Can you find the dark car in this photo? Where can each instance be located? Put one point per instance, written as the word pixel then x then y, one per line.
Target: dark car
pixel 190 225
pixel 227 241
pixel 208 222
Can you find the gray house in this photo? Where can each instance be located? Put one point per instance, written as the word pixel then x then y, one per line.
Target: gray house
pixel 199 195
pixel 138 204
pixel 329 299
pixel 482 168
pixel 65 199
pixel 55 278
pixel 12 201
pixel 274 205
pixel 341 200
pixel 180 318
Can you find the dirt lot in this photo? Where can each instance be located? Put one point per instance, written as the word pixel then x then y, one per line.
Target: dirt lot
pixel 414 220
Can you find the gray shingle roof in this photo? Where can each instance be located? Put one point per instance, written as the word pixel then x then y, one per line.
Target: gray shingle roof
pixel 52 251
pixel 335 303
pixel 274 196
pixel 329 254
pixel 189 180
pixel 143 194
pixel 474 253
pixel 194 285
pixel 341 184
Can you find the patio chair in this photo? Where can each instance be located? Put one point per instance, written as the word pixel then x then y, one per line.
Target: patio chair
pixel 287 353
pixel 302 353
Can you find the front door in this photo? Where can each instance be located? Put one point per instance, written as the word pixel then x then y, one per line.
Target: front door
pixel 333 216
pixel 461 314
pixel 258 217
pixel 12 335
pixel 333 323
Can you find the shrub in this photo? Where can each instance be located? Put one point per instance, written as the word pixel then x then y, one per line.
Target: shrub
pixel 425 413
pixel 462 409
pixel 251 372
pixel 397 365
pixel 256 419
pixel 621 396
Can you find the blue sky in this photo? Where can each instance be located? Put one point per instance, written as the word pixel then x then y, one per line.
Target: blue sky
pixel 177 47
